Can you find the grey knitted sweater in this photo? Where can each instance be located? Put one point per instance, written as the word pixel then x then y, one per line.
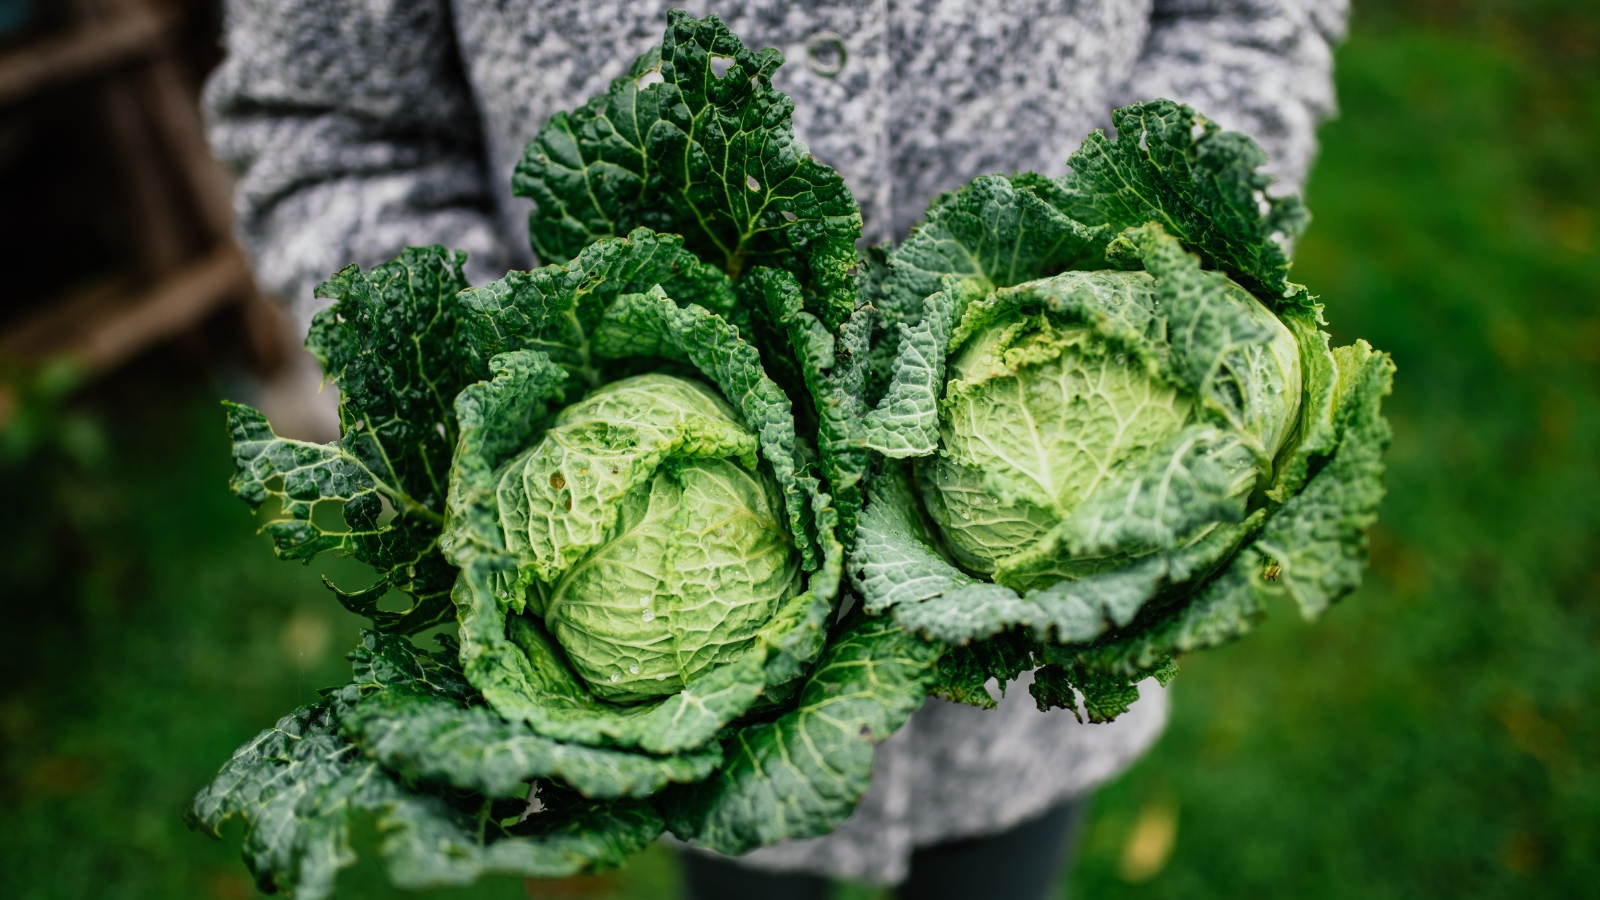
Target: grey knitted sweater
pixel 358 127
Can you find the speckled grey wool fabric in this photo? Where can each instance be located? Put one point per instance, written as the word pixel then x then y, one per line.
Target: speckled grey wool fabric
pixel 358 127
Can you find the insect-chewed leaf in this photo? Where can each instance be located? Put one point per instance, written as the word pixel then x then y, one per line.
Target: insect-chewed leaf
pixel 391 342
pixel 711 157
pixel 1105 696
pixel 1172 166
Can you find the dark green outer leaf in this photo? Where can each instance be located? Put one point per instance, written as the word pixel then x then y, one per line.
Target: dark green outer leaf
pixel 298 787
pixel 996 231
pixel 964 670
pixel 556 309
pixel 391 343
pixel 833 369
pixel 1174 167
pixel 714 159
pixel 1105 696
pixel 386 661
pixel 1070 612
pixel 424 850
pixel 420 718
pixel 802 775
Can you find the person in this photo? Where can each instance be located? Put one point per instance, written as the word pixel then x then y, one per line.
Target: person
pixel 358 127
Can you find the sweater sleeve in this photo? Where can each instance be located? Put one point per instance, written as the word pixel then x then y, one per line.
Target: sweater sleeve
pixel 352 133
pixel 1263 67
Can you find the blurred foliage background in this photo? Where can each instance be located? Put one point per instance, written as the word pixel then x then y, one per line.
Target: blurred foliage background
pixel 1438 734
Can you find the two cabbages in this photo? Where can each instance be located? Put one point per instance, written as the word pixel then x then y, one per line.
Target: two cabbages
pixel 1076 425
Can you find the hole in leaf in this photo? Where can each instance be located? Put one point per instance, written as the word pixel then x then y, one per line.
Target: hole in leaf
pixel 751 183
pixel 1143 145
pixel 653 76
pixel 1196 131
pixel 328 515
pixel 789 216
pixel 395 600
pixel 720 64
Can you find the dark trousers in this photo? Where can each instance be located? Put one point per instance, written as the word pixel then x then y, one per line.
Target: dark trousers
pixel 1023 863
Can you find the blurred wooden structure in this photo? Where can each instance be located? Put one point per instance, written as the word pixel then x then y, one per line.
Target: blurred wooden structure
pixel 175 198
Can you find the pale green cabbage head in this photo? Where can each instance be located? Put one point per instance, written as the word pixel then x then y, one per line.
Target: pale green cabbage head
pixel 664 541
pixel 1040 410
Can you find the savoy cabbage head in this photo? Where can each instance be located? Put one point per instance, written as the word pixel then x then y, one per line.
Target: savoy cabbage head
pixel 674 568
pixel 1111 428
pixel 1078 426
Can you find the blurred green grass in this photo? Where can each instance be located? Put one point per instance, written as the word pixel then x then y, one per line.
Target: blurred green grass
pixel 1435 735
